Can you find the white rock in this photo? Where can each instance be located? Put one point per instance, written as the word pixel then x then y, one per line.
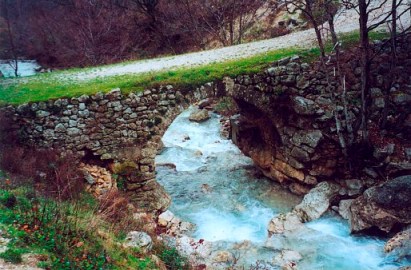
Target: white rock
pixel 139 240
pixel 199 116
pixel 287 258
pixel 316 202
pixel 344 208
pixel 223 256
pixel 190 246
pixel 3 244
pixel 165 218
pixel 284 223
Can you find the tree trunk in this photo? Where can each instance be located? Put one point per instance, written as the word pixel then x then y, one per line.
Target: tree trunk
pixel 393 63
pixel 231 30
pixel 240 29
pixel 15 66
pixel 365 67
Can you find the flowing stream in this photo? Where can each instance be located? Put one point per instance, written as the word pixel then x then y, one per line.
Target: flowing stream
pixel 217 188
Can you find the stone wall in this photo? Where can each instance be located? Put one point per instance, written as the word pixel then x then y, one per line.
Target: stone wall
pixel 286 132
pixel 287 121
pixel 122 131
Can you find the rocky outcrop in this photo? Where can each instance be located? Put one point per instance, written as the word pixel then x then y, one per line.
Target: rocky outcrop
pixel 383 207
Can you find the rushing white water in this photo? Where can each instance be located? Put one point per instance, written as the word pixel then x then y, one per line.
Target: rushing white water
pixel 216 187
pixel 25 68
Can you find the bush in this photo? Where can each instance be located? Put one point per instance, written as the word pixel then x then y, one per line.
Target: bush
pixel 58 176
pixel 12 255
pixel 114 208
pixel 173 260
pixel 8 200
pixel 60 229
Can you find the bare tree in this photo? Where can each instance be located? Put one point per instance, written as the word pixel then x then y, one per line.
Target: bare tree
pixel 230 19
pixel 5 6
pixel 318 12
pixel 365 9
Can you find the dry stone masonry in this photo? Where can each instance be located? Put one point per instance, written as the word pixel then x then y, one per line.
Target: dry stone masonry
pixel 285 124
pixel 115 130
pixel 283 129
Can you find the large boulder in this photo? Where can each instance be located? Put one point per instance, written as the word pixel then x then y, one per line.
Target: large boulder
pixel 383 207
pixel 313 206
pixel 199 116
pixel 316 202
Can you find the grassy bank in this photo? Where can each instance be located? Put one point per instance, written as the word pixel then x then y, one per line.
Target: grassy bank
pixel 49 86
pixel 70 235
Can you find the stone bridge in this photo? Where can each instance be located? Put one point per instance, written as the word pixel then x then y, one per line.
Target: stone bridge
pixel 285 124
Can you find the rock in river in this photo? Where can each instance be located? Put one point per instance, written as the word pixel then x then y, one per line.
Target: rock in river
pixel 199 116
pixel 383 207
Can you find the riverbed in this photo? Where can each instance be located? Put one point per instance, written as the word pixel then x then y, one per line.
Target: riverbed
pixel 218 189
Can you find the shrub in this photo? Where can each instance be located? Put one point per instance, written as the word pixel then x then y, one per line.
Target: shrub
pixel 12 255
pixel 8 200
pixel 61 229
pixel 59 176
pixel 56 228
pixel 173 260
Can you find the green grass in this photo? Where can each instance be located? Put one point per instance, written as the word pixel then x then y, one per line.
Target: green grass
pixel 61 233
pixel 12 255
pixel 43 87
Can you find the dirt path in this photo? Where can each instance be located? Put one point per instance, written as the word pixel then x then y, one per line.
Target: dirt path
pixel 346 21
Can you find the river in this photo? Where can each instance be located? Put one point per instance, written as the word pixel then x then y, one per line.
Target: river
pixel 25 68
pixel 217 188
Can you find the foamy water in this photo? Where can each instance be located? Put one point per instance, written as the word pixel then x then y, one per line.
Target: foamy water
pixel 215 186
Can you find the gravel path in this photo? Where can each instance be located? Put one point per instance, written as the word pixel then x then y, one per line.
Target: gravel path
pixel 346 21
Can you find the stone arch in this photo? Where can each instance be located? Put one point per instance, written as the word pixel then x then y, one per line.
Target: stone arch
pixel 123 131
